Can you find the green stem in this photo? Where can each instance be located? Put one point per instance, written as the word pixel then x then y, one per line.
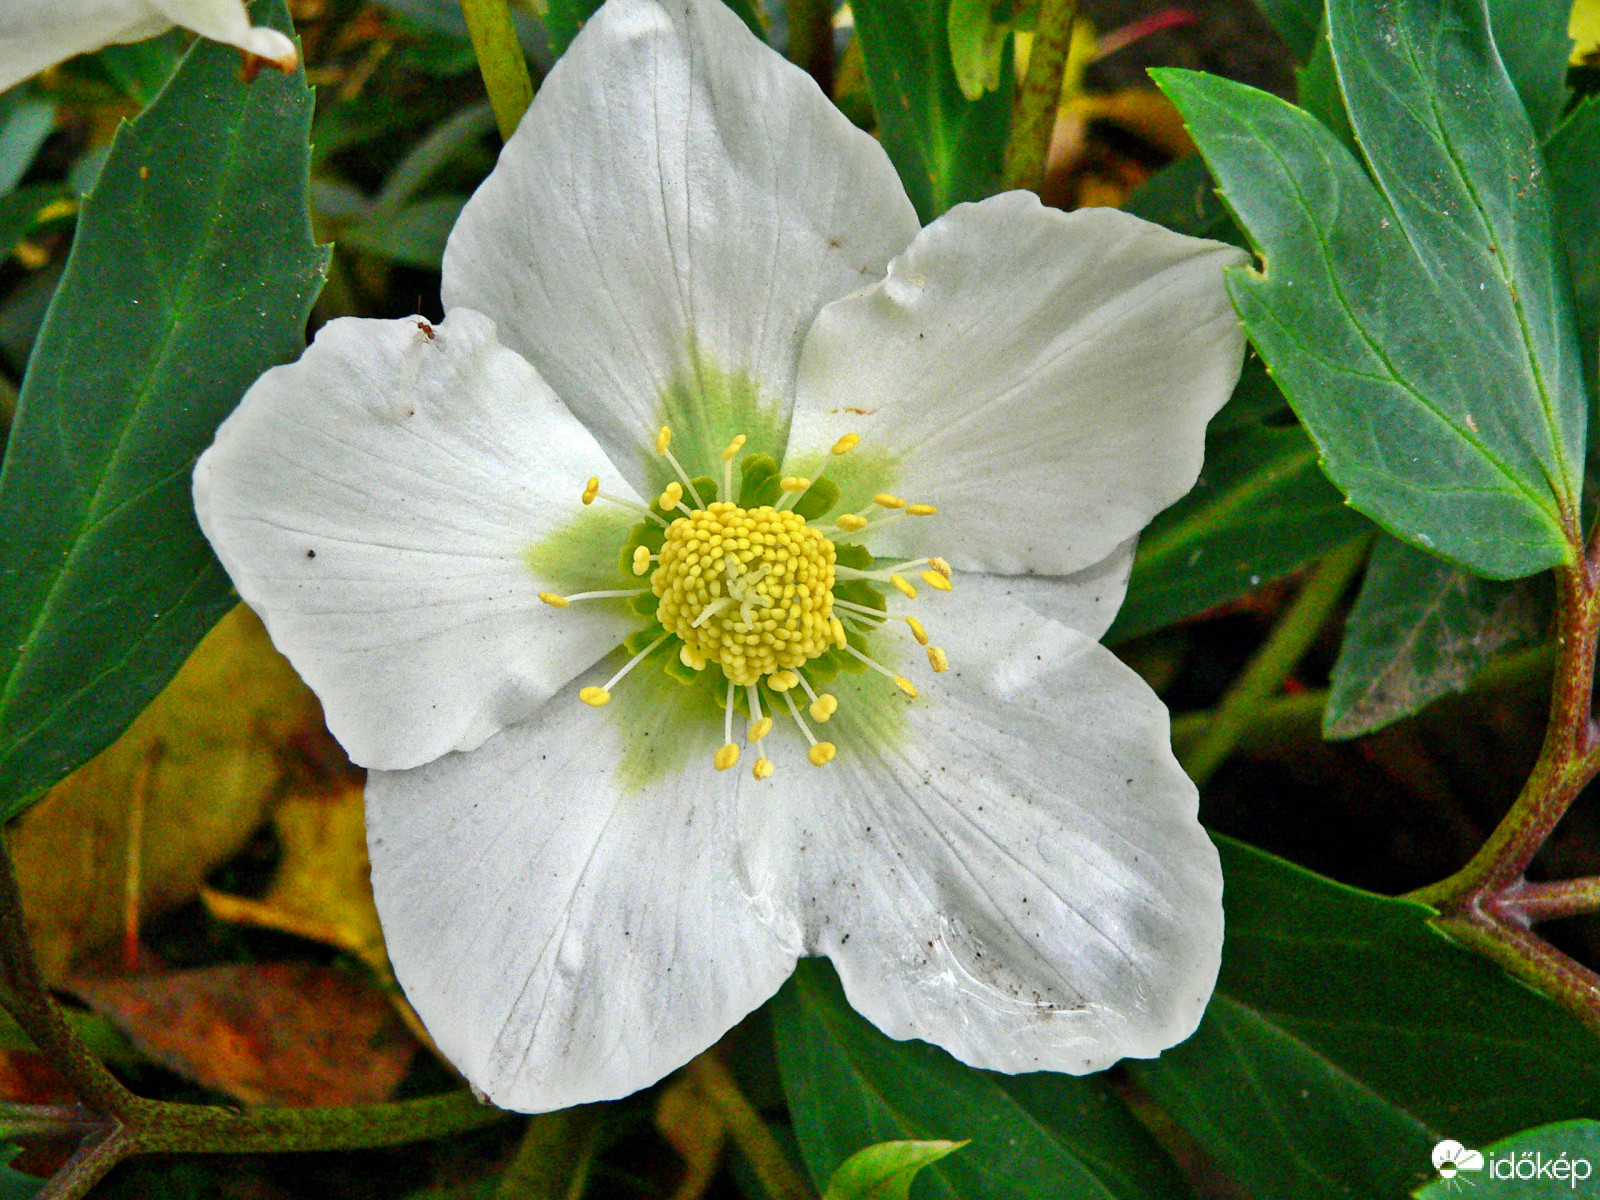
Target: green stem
pixel 554 1156
pixel 1278 656
pixel 761 1150
pixel 1033 116
pixel 811 39
pixel 500 59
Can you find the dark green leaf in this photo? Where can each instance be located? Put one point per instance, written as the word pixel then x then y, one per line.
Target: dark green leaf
pixel 22 209
pixel 564 18
pixel 1183 197
pixel 1428 347
pixel 1531 36
pixel 141 69
pixel 947 148
pixel 25 121
pixel 1049 1137
pixel 1573 157
pixel 1260 510
pixel 1347 1037
pixel 414 236
pixel 884 1171
pixel 14 1185
pixel 1420 628
pixel 192 272
pixel 1536 1164
pixel 1297 23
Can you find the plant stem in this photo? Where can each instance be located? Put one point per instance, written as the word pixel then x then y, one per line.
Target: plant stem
pixel 553 1159
pixel 811 39
pixel 500 59
pixel 1278 655
pixel 761 1150
pixel 1033 115
pixel 1529 903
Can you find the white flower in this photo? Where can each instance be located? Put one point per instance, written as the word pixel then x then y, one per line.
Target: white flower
pixel 35 34
pixel 579 897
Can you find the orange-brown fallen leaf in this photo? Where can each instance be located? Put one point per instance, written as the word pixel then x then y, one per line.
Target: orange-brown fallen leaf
pixel 264 1033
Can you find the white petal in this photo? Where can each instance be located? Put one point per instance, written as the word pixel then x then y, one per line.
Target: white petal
pixel 1018 874
pixel 678 203
pixel 227 21
pixel 564 936
pixel 1045 378
pixel 1086 600
pixel 376 503
pixel 35 34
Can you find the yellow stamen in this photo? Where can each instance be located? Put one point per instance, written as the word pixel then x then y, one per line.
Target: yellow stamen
pixel 847 443
pixel 885 500
pixel 595 697
pixel 553 600
pixel 690 658
pixel 641 559
pixel 823 707
pixel 671 497
pixel 591 489
pixel 782 681
pixel 836 626
pixel 851 522
pixel 917 631
pixel 921 510
pixel 821 754
pixel 759 729
pixel 794 483
pixel 663 439
pixel 936 581
pixel 939 565
pixel 904 588
pixel 726 757
pixel 906 686
pixel 763 768
pixel 937 659
pixel 733 448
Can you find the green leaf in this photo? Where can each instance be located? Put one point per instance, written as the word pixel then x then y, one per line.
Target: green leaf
pixel 413 236
pixel 1428 346
pixel 1297 23
pixel 977 46
pixel 192 272
pixel 1531 36
pixel 21 211
pixel 1260 510
pixel 25 122
pixel 1347 1037
pixel 884 1171
pixel 1420 628
pixel 1033 1137
pixel 1573 157
pixel 564 18
pixel 1536 1164
pixel 947 148
pixel 1183 197
pixel 14 1185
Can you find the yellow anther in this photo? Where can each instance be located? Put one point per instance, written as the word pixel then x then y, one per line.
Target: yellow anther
pixel 906 686
pixel 921 510
pixel 904 588
pixel 759 729
pixel 939 565
pixel 885 500
pixel 937 659
pixel 591 489
pixel 836 627
pixel 782 681
pixel 938 582
pixel 671 497
pixel 847 443
pixel 733 448
pixel 553 600
pixel 763 768
pixel 821 754
pixel 794 483
pixel 917 631
pixel 663 439
pixel 851 522
pixel 726 757
pixel 641 559
pixel 691 658
pixel 594 697
pixel 823 707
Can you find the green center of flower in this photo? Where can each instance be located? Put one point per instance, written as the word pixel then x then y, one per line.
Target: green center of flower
pixel 768 595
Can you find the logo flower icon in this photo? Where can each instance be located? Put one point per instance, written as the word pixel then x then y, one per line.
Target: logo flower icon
pixel 1450 1158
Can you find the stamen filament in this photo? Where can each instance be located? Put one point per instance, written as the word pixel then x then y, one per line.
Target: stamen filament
pixel 638 508
pixel 900 681
pixel 821 753
pixel 711 610
pixel 728 754
pixel 634 662
pixel 728 453
pixel 556 601
pixel 663 447
pixel 850 606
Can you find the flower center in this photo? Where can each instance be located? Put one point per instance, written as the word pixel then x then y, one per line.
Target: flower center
pixel 762 594
pixel 748 589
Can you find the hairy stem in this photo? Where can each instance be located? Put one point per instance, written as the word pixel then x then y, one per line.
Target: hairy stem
pixel 1033 116
pixel 1278 655
pixel 505 70
pixel 1529 903
pixel 761 1150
